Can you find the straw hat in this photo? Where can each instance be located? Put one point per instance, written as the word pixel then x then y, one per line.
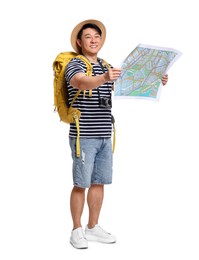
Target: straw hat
pixel 78 28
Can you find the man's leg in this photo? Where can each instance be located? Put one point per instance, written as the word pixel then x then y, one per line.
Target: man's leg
pixel 93 231
pixel 95 199
pixel 77 201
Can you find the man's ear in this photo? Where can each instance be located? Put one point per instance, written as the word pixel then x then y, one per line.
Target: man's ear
pixel 79 43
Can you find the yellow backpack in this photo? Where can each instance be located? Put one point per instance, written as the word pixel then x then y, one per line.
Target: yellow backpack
pixel 69 114
pixel 66 114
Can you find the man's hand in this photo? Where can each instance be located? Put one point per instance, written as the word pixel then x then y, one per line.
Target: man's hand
pixel 165 79
pixel 112 74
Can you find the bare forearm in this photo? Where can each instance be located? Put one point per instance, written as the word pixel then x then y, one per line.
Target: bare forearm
pixel 83 82
pixel 90 82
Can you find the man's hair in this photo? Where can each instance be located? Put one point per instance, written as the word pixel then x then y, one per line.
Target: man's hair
pixel 88 25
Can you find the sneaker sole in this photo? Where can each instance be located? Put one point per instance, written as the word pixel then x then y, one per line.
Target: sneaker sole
pixel 91 238
pixel 77 247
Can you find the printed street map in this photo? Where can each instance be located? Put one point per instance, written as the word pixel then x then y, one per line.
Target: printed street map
pixel 142 71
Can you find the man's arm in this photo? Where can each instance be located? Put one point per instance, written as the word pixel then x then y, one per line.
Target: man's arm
pixel 83 82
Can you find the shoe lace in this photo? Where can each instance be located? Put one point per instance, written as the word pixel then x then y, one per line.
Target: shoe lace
pixel 104 231
pixel 80 234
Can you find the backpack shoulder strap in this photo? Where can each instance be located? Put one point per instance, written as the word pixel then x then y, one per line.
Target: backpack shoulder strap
pixel 105 63
pixel 88 71
pixel 88 64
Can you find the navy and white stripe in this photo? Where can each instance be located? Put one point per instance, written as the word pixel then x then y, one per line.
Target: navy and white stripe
pixel 95 121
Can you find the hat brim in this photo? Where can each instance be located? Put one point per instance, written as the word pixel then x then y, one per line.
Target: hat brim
pixel 78 28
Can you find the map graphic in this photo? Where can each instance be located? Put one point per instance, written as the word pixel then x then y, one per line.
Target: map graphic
pixel 142 71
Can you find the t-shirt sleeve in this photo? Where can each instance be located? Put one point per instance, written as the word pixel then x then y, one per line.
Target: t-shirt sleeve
pixel 74 66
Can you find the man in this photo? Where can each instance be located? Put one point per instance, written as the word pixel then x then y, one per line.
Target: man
pixel 93 169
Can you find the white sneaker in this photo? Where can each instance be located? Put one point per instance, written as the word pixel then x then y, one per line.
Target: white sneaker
pixel 78 239
pixel 99 234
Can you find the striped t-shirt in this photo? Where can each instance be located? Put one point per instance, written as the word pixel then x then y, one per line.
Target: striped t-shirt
pixel 95 121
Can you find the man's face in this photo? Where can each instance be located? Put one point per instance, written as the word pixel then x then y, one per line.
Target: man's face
pixel 90 41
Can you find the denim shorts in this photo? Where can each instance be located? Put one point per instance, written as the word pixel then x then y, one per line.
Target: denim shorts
pixel 94 166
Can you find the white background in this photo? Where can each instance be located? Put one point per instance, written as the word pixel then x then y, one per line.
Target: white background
pixel 152 205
